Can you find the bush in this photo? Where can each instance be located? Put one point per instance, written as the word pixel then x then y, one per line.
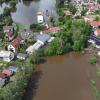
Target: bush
pixel 98 73
pixel 37 27
pixel 93 60
pixel 34 59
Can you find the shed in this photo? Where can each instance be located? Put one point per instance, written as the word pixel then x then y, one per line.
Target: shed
pixel 13 68
pixel 34 47
pixel 40 18
pixel 2 75
pixel 22 56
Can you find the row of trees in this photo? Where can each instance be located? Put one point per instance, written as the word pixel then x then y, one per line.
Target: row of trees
pixel 73 36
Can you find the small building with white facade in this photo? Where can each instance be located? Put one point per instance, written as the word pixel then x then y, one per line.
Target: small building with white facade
pixel 9 36
pixel 40 17
pixel 6 56
pixel 8 29
pixel 31 49
pixel 15 44
pixel 22 56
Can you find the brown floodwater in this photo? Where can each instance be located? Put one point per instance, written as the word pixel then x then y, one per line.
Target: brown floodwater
pixel 61 78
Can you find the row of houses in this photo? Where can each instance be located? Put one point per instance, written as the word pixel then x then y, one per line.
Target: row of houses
pixel 90 5
pixel 89 18
pixel 15 43
pixel 8 56
pixel 95 36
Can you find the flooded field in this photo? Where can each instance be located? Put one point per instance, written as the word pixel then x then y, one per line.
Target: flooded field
pixel 26 10
pixel 64 77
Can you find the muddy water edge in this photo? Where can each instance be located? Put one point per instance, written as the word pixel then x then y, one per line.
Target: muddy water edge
pixel 64 77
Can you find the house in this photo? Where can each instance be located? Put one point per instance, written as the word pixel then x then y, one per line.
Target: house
pixel 97 32
pixel 31 49
pixel 6 55
pixel 54 30
pixel 67 13
pixel 8 29
pixel 42 38
pixel 2 79
pixel 2 76
pixel 95 24
pixel 66 3
pixel 88 18
pixel 13 68
pixel 93 7
pixel 40 17
pixel 7 72
pixel 9 36
pixel 15 44
pixel 22 56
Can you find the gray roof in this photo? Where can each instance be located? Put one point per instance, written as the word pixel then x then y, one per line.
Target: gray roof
pixel 43 37
pixel 22 55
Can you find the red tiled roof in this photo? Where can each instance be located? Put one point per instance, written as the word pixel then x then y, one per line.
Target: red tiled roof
pixel 16 42
pixel 54 29
pixel 95 23
pixel 7 72
pixel 2 75
pixel 9 33
pixel 88 16
pixel 98 31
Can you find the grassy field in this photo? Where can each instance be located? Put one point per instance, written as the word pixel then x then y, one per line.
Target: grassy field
pixel 22 26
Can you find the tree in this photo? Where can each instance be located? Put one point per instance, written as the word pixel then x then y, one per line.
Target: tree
pixel 12 3
pixel 93 59
pixel 76 46
pixel 83 12
pixel 56 47
pixel 34 59
pixel 6 11
pixel 8 20
pixel 72 9
pixel 68 1
pixel 37 27
pixel 97 18
pixel 2 34
pixel 98 1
